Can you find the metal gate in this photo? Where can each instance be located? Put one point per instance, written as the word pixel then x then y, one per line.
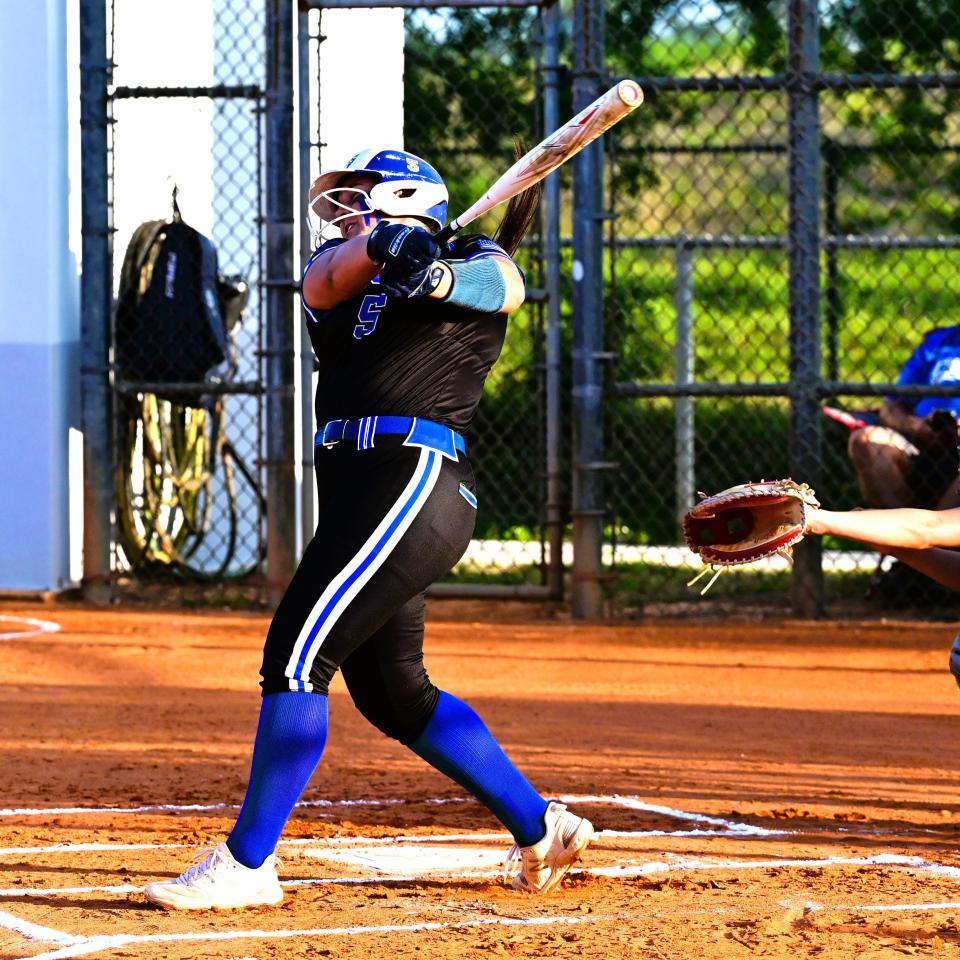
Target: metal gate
pixel 178 464
pixel 475 76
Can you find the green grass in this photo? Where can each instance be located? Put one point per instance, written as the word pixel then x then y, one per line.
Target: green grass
pixel 649 583
pixel 635 584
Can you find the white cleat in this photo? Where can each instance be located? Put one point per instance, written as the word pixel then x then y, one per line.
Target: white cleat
pixel 218 882
pixel 543 865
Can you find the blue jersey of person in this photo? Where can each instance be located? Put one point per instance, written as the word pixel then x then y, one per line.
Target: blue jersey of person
pixel 935 362
pixel 412 357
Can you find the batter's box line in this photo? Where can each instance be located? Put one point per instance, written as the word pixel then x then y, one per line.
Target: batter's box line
pixel 620 871
pixel 328 842
pixel 76 946
pixel 625 801
pixel 33 625
pixel 195 807
pixel 80 946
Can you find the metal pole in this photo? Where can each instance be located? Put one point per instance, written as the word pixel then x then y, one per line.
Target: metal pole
pixel 804 265
pixel 279 350
pixel 96 286
pixel 551 220
pixel 307 519
pixel 683 299
pixel 588 494
pixel 831 180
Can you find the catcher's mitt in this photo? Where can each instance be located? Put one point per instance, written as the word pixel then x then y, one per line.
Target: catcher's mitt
pixel 747 523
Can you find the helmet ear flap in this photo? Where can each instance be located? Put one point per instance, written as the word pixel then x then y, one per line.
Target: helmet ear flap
pixel 407 186
pixel 411 198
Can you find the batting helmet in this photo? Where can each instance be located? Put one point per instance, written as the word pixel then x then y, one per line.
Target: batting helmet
pixel 407 186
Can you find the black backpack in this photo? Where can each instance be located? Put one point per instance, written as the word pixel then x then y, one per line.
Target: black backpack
pixel 171 306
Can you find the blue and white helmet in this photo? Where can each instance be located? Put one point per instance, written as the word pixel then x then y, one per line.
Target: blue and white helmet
pixel 407 187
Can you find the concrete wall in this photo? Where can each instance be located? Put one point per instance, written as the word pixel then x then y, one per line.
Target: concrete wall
pixel 39 321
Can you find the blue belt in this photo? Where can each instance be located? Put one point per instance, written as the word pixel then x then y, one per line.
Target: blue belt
pixel 418 433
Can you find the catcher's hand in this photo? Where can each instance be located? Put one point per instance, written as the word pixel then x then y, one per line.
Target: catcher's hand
pixel 747 523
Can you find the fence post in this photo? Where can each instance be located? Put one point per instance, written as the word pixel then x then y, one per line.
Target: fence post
pixel 279 351
pixel 684 410
pixel 804 266
pixel 551 229
pixel 307 520
pixel 96 297
pixel 588 408
pixel 831 184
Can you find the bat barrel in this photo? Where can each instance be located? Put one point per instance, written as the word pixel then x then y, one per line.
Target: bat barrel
pixel 556 149
pixel 630 92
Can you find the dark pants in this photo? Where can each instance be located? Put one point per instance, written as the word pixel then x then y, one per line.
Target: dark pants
pixel 392 520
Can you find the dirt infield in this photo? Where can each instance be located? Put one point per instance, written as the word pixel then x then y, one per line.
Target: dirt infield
pixel 776 789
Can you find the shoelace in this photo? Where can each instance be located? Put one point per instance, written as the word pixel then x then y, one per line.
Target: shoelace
pixel 216 858
pixel 199 863
pixel 513 857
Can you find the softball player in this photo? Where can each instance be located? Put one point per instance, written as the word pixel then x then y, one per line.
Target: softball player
pixel 405 333
pixel 909 457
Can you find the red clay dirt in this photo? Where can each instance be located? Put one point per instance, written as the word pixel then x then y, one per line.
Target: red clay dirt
pixel 772 788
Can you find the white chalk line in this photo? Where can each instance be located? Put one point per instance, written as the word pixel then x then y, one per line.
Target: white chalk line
pixel 80 945
pixel 635 803
pixel 680 865
pixel 32 931
pixel 75 946
pixel 85 945
pixel 628 802
pixel 884 907
pixel 325 842
pixel 38 626
pixel 194 807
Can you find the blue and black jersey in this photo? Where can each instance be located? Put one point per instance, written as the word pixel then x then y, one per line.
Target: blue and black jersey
pixel 415 357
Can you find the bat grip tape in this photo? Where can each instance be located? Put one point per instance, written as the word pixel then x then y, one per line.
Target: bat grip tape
pixel 477 285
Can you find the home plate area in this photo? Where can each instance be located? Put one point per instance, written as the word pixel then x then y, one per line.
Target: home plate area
pixel 654 873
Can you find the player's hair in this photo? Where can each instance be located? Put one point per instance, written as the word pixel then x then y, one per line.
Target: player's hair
pixel 520 210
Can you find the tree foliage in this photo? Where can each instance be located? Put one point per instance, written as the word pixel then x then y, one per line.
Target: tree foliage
pixel 471 86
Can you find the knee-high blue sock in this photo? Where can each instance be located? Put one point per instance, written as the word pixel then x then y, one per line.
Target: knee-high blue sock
pixel 291 735
pixel 457 742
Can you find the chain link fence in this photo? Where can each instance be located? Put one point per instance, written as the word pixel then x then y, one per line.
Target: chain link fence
pixel 778 229
pixel 698 309
pixel 186 333
pixel 472 86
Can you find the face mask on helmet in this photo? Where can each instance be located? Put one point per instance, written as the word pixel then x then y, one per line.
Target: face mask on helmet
pixel 406 186
pixel 338 204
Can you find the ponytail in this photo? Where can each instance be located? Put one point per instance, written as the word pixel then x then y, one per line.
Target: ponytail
pixel 520 212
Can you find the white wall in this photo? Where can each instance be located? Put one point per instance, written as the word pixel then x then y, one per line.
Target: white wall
pixel 361 81
pixel 361 105
pixel 41 515
pixel 39 322
pixel 165 141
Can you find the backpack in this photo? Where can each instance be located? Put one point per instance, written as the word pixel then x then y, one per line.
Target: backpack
pixel 171 306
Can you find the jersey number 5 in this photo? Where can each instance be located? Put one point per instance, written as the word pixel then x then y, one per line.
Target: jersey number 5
pixel 369 310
